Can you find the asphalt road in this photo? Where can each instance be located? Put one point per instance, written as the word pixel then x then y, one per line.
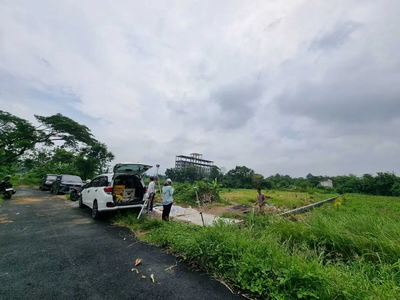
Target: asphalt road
pixel 51 249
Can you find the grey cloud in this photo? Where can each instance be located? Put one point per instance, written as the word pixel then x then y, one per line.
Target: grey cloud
pixel 229 106
pixel 335 38
pixel 273 24
pixel 366 95
pixel 171 77
pixel 236 102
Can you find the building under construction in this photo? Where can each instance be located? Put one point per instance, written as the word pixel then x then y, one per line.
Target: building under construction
pixel 196 160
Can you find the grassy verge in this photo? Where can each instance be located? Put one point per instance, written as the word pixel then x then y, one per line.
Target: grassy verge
pixel 349 250
pixel 282 199
pixel 365 227
pixel 31 182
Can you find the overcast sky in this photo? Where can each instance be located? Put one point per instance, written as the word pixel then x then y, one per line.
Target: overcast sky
pixel 281 86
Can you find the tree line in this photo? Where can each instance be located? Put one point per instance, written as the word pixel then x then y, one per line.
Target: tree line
pixel 60 145
pixel 57 145
pixel 242 177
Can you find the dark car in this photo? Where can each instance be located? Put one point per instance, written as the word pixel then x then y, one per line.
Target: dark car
pixel 64 183
pixel 47 182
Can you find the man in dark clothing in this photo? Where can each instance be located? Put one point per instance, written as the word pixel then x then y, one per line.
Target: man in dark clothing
pixel 260 202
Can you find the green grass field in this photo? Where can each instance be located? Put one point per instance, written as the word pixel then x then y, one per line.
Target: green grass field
pixel 282 199
pixel 346 250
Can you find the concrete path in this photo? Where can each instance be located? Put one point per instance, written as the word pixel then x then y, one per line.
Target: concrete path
pixel 192 216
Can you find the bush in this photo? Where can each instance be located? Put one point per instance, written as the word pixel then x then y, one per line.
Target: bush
pixel 30 179
pixel 208 191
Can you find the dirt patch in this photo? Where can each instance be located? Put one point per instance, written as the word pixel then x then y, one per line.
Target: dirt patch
pixel 3 219
pixel 273 210
pixel 215 210
pixel 241 208
pixel 35 187
pixel 81 221
pixel 25 200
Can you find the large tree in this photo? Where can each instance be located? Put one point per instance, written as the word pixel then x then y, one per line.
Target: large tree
pixel 240 177
pixel 187 174
pixel 93 160
pixel 17 135
pixel 85 162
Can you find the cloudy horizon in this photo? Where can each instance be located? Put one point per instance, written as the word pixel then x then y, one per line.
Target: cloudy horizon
pixel 290 87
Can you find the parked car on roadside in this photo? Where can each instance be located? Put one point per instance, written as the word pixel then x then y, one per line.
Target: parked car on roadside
pixel 75 192
pixel 47 182
pixel 64 183
pixel 122 189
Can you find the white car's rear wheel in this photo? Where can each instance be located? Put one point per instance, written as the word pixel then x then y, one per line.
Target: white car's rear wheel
pixel 95 211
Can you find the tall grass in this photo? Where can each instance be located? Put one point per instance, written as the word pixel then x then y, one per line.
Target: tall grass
pixel 283 199
pixel 256 263
pixel 352 230
pixel 349 251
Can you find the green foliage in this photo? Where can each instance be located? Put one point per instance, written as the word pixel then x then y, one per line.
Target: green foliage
pixel 86 163
pixel 79 154
pixel 188 174
pixel 240 177
pixel 232 215
pixel 334 253
pixel 208 191
pixel 278 198
pixel 216 174
pixel 62 128
pixel 385 184
pixel 99 158
pixel 362 227
pixel 395 190
pixel 17 136
pixel 192 174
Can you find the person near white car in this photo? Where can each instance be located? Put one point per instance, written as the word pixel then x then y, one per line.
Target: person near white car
pixel 151 190
pixel 168 199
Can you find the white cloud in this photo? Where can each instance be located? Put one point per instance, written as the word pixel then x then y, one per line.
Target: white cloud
pixel 244 83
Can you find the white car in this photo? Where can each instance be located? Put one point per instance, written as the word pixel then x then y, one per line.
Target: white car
pixel 123 189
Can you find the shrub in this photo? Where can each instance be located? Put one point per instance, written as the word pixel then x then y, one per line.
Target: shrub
pixel 208 191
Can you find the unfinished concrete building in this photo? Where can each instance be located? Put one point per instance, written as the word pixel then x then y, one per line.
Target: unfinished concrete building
pixel 196 160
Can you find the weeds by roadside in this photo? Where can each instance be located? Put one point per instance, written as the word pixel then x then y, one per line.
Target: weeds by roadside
pixel 282 199
pixel 345 252
pixel 232 215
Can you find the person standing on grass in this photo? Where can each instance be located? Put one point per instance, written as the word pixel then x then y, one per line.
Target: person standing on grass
pixel 260 201
pixel 151 190
pixel 168 199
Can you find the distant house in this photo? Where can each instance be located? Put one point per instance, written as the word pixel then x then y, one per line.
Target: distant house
pixel 327 183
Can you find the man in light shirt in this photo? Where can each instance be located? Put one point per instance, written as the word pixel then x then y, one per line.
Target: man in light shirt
pixel 151 190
